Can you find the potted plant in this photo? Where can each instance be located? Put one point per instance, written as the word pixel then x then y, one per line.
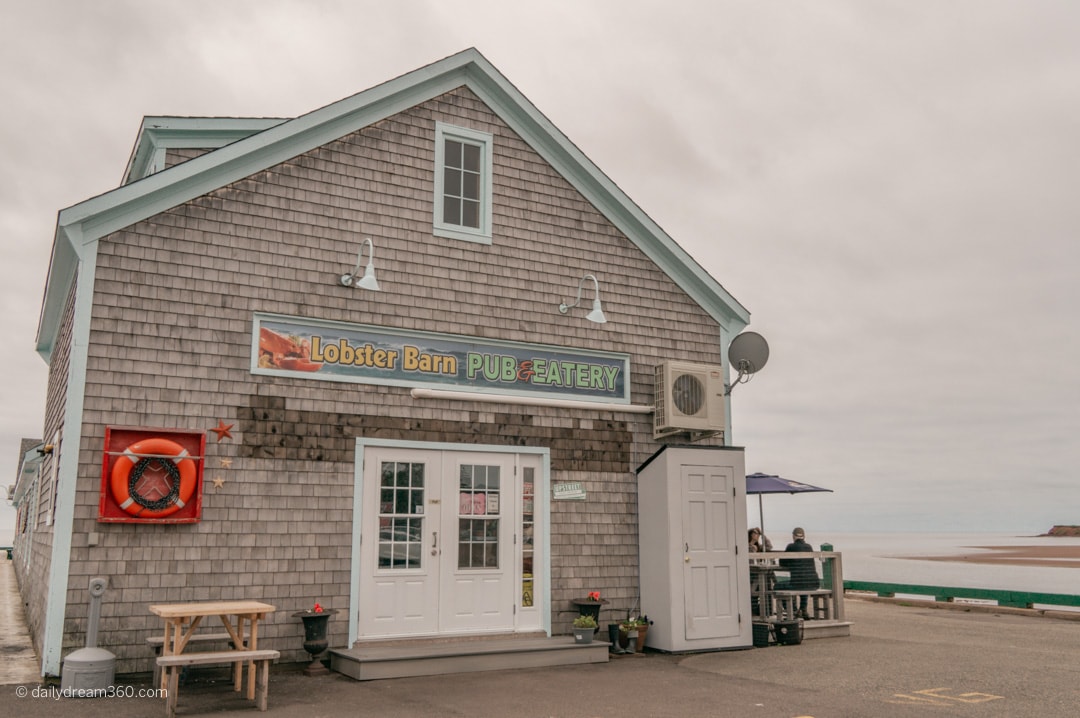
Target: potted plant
pixel 634 628
pixel 584 628
pixel 590 606
pixel 315 642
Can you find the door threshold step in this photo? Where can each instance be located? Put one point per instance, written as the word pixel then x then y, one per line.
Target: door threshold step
pixel 374 660
pixel 427 641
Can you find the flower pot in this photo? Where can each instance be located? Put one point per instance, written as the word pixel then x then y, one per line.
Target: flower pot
pixel 640 643
pixel 315 641
pixel 583 635
pixel 590 607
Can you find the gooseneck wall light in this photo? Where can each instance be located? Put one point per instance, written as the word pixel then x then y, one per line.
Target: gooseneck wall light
pixel 367 281
pixel 597 314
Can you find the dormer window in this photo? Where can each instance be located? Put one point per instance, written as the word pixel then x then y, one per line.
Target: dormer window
pixel 462 183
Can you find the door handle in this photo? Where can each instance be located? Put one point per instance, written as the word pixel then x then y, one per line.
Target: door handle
pixel 434 543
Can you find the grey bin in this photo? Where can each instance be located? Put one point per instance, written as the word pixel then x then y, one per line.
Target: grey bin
pixel 89 672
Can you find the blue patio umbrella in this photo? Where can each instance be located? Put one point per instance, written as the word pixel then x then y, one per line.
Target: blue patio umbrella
pixel 771 484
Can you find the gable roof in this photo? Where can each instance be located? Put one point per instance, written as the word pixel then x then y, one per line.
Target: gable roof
pixel 274 141
pixel 159 134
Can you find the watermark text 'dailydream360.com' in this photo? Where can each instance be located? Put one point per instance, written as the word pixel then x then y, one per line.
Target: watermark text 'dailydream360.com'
pixel 55 693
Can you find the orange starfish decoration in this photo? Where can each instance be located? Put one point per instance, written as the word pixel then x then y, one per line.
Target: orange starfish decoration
pixel 222 430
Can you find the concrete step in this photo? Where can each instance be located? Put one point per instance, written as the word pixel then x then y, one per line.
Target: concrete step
pixel 375 660
pixel 826 629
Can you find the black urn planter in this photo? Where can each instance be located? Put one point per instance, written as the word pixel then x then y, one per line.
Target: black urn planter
pixel 315 642
pixel 590 607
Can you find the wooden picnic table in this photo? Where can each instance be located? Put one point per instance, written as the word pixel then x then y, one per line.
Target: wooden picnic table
pixel 240 618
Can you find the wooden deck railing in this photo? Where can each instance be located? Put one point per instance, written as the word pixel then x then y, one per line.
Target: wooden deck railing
pixel 831 572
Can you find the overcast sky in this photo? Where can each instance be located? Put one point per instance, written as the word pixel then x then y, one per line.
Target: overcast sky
pixel 888 187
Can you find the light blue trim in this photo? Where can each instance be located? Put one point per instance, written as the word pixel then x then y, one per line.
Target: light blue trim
pixel 63 526
pixel 357 533
pixel 164 190
pixel 725 342
pixel 541 493
pixel 161 133
pixel 484 140
pixel 62 267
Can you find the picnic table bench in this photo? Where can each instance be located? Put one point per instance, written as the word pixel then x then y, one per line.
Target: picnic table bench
pixel 174 663
pixel 198 639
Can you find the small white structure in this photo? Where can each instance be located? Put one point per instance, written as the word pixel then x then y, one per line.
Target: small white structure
pixel 695 577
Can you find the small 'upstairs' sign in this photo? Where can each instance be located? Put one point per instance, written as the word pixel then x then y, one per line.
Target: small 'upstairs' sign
pixel 573 491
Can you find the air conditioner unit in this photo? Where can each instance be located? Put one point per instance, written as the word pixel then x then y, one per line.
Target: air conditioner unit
pixel 689 399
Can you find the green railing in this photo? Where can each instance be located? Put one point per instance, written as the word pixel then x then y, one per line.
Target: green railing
pixel 1014 599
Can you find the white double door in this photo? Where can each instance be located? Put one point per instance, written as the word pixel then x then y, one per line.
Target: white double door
pixel 440 547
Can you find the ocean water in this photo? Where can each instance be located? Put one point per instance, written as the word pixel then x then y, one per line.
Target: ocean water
pixel 884 557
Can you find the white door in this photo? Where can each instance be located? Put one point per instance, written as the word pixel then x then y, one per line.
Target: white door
pixel 710 578
pixel 439 551
pixel 477 550
pixel 397 593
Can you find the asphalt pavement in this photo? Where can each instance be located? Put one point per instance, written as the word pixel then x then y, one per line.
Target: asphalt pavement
pixel 900 661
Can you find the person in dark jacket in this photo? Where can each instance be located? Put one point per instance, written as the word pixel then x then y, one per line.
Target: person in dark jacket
pixel 804 575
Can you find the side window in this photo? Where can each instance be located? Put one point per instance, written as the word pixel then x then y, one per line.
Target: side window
pixel 462 183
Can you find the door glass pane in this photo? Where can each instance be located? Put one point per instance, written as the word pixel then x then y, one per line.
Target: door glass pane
pixel 401 509
pixel 479 506
pixel 528 480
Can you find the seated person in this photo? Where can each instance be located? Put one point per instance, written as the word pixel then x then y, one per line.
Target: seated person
pixel 758 541
pixel 803 571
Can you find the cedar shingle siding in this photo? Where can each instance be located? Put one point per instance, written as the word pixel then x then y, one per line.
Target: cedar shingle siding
pixel 170 346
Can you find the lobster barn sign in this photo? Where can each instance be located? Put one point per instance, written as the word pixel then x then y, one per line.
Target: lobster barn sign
pixel 151 476
pixel 335 351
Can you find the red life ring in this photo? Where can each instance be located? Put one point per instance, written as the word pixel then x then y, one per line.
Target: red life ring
pixel 173 481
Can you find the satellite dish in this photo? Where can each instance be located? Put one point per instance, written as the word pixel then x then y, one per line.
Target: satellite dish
pixel 747 354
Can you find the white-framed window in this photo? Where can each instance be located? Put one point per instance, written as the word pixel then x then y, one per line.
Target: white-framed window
pixel 462 183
